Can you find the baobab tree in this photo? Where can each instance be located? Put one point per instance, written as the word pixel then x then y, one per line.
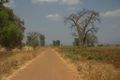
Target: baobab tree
pixel 83 23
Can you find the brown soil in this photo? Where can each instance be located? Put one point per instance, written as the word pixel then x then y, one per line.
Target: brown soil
pixel 48 66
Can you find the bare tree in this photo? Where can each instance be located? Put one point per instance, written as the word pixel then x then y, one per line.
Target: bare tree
pixel 83 23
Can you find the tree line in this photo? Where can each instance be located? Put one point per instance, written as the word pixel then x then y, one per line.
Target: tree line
pixel 12 29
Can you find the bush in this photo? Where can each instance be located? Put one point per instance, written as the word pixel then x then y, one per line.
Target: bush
pixel 97 57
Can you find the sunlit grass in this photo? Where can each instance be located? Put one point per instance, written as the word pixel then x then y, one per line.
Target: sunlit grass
pixel 11 61
pixel 96 63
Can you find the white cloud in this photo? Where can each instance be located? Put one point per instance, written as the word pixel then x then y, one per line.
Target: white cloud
pixel 111 13
pixel 72 8
pixel 54 17
pixel 44 1
pixel 67 2
pixel 10 4
pixel 70 2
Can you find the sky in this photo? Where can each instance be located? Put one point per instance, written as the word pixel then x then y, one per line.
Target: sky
pixel 47 17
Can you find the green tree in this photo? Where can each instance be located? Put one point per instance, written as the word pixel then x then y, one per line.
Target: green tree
pixel 2 2
pixel 32 39
pixel 42 39
pixel 11 34
pixel 56 42
pixel 35 39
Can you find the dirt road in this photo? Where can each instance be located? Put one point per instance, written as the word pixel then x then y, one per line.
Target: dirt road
pixel 48 66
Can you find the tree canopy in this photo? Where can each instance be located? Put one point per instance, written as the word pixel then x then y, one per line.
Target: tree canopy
pixel 11 28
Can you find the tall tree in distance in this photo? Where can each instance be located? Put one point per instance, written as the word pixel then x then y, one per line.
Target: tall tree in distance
pixel 32 39
pixel 42 39
pixel 35 39
pixel 56 43
pixel 83 23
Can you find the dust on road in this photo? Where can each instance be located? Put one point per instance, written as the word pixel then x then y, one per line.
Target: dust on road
pixel 48 66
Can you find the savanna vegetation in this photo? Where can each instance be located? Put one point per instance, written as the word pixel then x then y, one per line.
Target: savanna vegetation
pixel 96 63
pixel 92 63
pixel 15 59
pixel 13 52
pixel 12 30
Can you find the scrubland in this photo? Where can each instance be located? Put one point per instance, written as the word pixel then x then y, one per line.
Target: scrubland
pixel 13 60
pixel 94 63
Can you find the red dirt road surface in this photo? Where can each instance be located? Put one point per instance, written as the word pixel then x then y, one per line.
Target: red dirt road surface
pixel 48 66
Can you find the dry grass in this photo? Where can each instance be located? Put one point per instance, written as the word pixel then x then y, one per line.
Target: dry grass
pixel 95 63
pixel 98 71
pixel 11 61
